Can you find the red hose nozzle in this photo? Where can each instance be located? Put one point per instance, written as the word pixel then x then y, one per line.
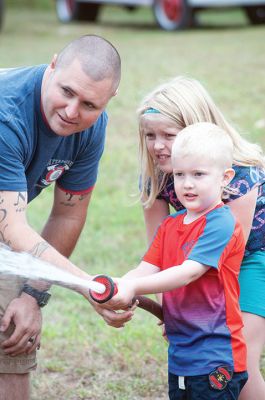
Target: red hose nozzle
pixel 110 289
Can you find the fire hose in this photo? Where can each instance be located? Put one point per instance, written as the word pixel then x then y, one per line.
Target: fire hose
pixel 111 289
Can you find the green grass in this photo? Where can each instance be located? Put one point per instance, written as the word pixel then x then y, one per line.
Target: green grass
pixel 81 357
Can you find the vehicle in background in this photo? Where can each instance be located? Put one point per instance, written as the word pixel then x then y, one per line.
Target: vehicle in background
pixel 169 14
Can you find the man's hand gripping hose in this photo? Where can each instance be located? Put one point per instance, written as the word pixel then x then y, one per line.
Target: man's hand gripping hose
pixel 111 289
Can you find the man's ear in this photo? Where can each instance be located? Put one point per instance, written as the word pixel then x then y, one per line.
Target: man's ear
pixel 229 174
pixel 116 92
pixel 53 62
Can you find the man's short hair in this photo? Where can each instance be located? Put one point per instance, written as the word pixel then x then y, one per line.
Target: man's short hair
pixel 99 58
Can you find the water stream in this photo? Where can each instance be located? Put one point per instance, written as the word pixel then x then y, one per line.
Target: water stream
pixel 25 265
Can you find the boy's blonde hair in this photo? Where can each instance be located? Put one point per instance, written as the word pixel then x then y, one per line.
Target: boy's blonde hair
pixel 205 140
pixel 186 102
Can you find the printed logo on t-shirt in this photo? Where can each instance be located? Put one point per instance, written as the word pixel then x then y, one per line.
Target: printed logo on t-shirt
pixel 186 248
pixel 54 171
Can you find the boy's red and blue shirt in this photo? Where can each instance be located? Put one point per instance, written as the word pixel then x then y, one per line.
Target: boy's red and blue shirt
pixel 202 319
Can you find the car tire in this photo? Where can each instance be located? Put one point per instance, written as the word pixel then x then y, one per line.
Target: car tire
pixel 173 15
pixel 71 10
pixel 2 10
pixel 256 14
pixel 130 8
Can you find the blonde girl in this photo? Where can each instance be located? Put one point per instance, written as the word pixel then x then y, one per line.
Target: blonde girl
pixel 163 113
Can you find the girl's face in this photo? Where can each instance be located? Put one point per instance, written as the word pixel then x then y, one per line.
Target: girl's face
pixel 159 133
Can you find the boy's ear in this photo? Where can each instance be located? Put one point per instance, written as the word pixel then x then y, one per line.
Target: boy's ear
pixel 53 61
pixel 229 174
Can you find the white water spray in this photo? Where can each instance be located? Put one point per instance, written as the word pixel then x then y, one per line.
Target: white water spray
pixel 25 265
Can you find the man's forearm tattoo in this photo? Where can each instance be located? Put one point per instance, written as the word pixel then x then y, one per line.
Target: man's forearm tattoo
pixel 3 211
pixel 21 202
pixel 3 238
pixel 3 214
pixel 38 249
pixel 20 196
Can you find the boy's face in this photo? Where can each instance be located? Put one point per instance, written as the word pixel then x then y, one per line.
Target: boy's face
pixel 159 134
pixel 199 183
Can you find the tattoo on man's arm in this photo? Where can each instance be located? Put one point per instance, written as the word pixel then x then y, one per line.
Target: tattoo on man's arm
pixel 3 238
pixel 21 202
pixel 83 196
pixel 3 214
pixel 69 196
pixel 68 202
pixel 71 199
pixel 39 249
pixel 20 197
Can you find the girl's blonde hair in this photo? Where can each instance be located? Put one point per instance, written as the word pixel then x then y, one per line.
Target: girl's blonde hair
pixel 186 102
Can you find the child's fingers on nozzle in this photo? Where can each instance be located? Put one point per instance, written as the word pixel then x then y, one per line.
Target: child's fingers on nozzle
pixel 133 305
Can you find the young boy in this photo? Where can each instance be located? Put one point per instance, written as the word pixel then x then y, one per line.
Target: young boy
pixel 194 261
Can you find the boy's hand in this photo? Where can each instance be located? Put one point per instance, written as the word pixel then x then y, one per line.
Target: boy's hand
pixel 164 334
pixel 124 297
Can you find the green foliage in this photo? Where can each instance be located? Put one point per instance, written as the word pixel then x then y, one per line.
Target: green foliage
pixel 81 357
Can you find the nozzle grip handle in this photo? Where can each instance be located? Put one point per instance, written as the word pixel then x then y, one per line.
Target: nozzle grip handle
pixel 111 289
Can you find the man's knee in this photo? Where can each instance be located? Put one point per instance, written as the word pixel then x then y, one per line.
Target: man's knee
pixel 14 386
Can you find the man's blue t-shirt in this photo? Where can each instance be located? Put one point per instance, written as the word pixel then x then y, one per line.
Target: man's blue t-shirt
pixel 32 156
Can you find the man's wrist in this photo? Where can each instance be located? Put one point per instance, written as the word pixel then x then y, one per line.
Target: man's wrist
pixel 41 297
